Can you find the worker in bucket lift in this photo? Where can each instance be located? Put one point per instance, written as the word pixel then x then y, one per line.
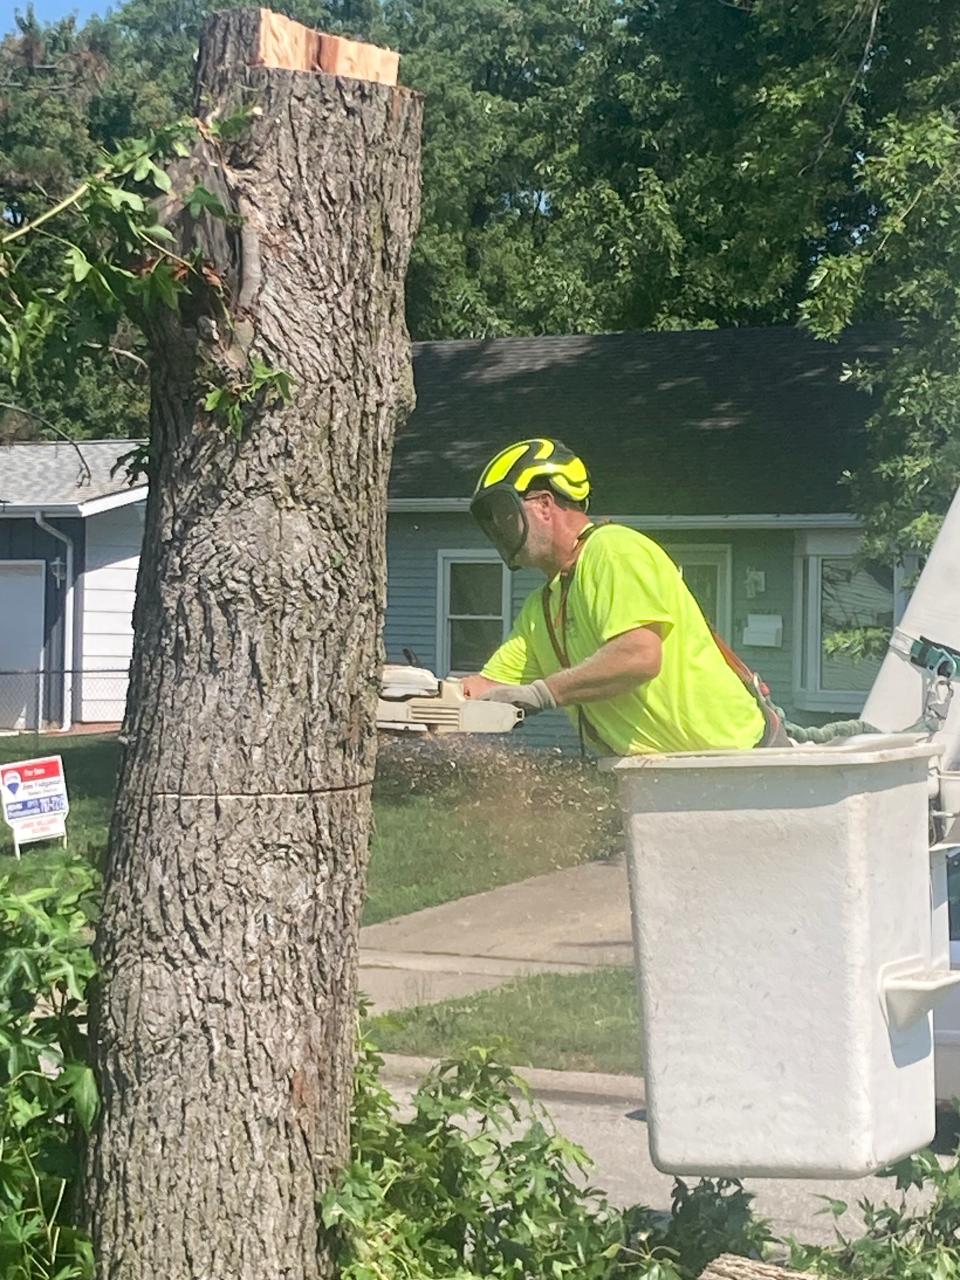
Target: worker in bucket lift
pixel 615 636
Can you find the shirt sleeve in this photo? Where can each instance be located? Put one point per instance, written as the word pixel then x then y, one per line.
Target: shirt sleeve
pixel 630 586
pixel 514 662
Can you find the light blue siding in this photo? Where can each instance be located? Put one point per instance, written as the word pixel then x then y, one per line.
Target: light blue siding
pixel 770 552
pixel 413 543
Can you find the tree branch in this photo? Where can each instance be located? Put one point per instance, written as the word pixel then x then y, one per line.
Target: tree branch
pixel 118 351
pixel 59 207
pixel 851 89
pixel 38 417
pixel 730 1267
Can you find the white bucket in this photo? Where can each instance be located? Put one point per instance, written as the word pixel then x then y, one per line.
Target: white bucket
pixel 785 959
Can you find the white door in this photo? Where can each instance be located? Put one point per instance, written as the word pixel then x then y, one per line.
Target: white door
pixel 21 642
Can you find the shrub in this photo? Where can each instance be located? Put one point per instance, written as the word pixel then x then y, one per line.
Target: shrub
pixel 477 1183
pixel 47 1093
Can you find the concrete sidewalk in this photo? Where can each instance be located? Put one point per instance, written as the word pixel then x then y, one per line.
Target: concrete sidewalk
pixel 564 922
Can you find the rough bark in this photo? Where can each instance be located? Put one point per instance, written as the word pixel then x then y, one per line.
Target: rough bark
pixel 729 1267
pixel 223 1030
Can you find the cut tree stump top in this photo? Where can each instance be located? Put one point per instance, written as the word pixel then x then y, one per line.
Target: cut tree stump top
pixel 290 46
pixel 729 1267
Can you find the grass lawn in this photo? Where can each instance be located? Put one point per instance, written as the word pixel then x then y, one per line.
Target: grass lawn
pixel 571 1022
pixel 450 818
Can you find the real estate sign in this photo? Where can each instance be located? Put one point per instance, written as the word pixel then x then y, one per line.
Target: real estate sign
pixel 34 799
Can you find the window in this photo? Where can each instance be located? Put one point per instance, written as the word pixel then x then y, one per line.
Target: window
pixel 835 592
pixel 707 571
pixel 474 612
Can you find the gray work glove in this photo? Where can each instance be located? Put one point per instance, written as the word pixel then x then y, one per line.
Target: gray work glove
pixel 531 698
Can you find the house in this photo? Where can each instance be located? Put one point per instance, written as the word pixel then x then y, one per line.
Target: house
pixel 71 526
pixel 727 446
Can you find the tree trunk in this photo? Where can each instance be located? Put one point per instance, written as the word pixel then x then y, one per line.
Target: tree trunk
pixel 729 1267
pixel 223 1030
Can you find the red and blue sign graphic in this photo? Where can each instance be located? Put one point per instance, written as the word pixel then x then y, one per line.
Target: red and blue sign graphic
pixel 33 794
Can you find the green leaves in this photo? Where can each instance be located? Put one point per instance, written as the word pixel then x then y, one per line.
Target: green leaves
pixel 200 200
pixel 90 263
pixel 118 199
pixel 48 1098
pixel 97 262
pixel 913 1239
pixel 78 264
pixel 476 1182
pixel 835 294
pixel 82 1089
pixel 234 402
pixel 236 125
pixel 146 167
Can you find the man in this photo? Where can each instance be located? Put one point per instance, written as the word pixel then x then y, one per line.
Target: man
pixel 615 637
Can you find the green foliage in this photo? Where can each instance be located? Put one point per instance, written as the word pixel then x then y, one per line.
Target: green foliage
pixel 915 1240
pixel 478 1183
pixel 58 113
pixel 109 263
pixel 105 259
pixel 453 1193
pixel 232 401
pixel 48 1098
pixel 903 262
pixel 473 1181
pixel 857 643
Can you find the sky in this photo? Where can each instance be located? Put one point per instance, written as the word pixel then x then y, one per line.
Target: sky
pixel 49 10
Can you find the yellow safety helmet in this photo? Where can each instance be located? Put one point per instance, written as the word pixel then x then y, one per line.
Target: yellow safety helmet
pixel 497 503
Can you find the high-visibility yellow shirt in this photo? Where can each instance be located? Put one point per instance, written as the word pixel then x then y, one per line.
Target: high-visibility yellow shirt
pixel 621 581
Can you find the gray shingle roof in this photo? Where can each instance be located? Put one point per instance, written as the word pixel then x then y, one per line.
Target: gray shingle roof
pixel 708 422
pixel 53 473
pixel 714 422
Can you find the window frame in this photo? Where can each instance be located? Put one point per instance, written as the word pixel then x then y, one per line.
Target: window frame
pixel 811 549
pixel 446 557
pixel 718 555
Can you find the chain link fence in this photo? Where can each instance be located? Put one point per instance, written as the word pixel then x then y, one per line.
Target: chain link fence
pixel 38 702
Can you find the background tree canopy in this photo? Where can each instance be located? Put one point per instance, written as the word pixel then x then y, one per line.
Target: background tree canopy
pixel 594 165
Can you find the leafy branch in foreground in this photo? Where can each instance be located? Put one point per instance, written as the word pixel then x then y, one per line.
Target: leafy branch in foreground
pixel 48 1097
pixel 103 262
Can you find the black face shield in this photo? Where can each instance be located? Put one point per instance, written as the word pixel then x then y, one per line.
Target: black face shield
pixel 500 514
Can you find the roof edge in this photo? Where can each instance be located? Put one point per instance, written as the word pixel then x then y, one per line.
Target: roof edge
pixel 461 506
pixel 27 510
pixel 759 520
pixel 108 502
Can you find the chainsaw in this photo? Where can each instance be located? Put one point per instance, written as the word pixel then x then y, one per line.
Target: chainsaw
pixel 414 700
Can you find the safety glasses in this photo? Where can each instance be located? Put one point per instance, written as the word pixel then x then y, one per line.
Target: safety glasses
pixel 500 514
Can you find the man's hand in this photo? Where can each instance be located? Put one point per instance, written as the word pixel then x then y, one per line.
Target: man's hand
pixel 476 686
pixel 531 698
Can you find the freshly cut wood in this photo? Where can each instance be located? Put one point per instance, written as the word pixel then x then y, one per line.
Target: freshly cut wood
pixel 340 57
pixel 729 1267
pixel 287 45
pixel 290 46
